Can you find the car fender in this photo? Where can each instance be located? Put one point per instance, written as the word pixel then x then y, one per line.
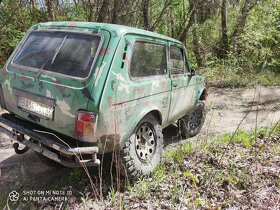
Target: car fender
pixel 150 110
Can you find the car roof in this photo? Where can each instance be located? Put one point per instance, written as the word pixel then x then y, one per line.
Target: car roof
pixel 113 28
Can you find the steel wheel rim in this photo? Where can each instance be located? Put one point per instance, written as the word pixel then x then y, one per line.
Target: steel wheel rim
pixel 145 142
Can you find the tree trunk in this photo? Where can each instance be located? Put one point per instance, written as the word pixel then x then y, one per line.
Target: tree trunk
pixel 223 52
pixel 103 11
pixel 241 23
pixel 145 8
pixel 75 2
pixel 51 9
pixel 116 10
pixel 87 7
pixel 171 22
pixel 192 11
pixel 162 13
pixel 196 45
pixel 33 4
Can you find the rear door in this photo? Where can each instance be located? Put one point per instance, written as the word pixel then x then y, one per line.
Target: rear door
pixel 51 77
pixel 182 93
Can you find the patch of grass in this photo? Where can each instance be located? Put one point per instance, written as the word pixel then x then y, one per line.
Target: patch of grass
pixel 275 150
pixel 226 75
pixel 74 176
pixel 85 201
pixel 142 188
pixel 274 130
pixel 159 174
pixel 3 203
pixel 175 192
pixel 246 139
pixel 178 154
pixel 112 196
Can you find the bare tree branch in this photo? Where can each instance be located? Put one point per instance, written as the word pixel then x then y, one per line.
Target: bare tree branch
pixel 166 5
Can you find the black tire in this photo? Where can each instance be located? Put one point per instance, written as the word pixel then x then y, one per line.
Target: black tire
pixel 140 155
pixel 191 124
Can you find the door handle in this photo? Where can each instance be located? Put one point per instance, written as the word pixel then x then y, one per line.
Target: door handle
pixel 175 85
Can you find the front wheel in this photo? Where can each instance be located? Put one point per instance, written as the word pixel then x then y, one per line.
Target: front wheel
pixel 191 124
pixel 142 151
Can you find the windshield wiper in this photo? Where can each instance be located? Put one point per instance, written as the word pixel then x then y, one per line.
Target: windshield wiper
pixel 53 57
pixel 58 49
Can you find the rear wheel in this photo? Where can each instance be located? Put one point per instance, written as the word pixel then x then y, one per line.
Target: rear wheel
pixel 142 151
pixel 191 124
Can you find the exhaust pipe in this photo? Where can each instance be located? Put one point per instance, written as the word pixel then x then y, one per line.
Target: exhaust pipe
pixel 20 151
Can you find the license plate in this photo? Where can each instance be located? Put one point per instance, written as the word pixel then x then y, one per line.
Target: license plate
pixel 36 107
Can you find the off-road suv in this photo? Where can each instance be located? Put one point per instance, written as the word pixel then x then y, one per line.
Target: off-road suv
pixel 73 90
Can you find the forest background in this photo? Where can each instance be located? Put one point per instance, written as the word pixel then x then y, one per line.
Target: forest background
pixel 233 43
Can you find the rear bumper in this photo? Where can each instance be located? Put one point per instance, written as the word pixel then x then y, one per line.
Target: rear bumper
pixel 47 145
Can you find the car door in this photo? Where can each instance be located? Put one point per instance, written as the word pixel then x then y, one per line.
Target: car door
pixel 182 93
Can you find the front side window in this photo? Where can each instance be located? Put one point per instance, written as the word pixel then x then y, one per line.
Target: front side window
pixel 177 60
pixel 66 53
pixel 148 59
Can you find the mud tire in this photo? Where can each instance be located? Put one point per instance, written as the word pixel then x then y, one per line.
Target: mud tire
pixel 192 123
pixel 131 164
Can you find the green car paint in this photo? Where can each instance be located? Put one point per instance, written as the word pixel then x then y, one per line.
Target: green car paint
pixel 119 100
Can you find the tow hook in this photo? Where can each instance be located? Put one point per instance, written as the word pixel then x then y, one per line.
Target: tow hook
pixel 19 151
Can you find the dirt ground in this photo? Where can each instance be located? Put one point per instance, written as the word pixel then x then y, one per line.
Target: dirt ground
pixel 226 109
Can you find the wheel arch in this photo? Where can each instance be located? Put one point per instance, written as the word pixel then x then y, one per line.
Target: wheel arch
pixel 203 95
pixel 134 159
pixel 155 112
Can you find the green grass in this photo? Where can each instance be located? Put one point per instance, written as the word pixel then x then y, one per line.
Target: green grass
pixel 74 176
pixel 224 75
pixel 186 180
pixel 178 154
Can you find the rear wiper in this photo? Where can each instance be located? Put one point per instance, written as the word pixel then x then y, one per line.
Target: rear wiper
pixel 58 49
pixel 53 58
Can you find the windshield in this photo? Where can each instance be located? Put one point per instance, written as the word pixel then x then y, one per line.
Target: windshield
pixel 61 52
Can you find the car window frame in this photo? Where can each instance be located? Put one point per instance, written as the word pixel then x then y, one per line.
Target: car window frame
pixel 153 76
pixel 186 63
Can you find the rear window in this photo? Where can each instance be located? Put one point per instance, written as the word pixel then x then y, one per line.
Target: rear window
pixel 66 53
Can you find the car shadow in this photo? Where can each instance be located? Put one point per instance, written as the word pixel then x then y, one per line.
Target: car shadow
pixel 26 172
pixel 171 135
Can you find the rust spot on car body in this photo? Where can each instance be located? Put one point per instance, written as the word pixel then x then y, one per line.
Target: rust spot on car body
pixel 59 86
pixel 104 51
pixel 109 143
pixel 72 24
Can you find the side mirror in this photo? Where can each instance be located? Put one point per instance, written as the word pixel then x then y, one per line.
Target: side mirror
pixel 192 72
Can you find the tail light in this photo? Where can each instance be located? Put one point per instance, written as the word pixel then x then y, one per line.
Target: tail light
pixel 85 126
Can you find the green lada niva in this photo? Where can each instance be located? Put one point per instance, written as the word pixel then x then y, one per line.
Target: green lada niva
pixel 73 91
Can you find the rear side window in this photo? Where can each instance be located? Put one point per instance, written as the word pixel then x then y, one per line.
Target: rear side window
pixel 148 59
pixel 177 60
pixel 66 53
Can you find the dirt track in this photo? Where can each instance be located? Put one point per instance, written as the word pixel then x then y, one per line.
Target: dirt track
pixel 227 108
